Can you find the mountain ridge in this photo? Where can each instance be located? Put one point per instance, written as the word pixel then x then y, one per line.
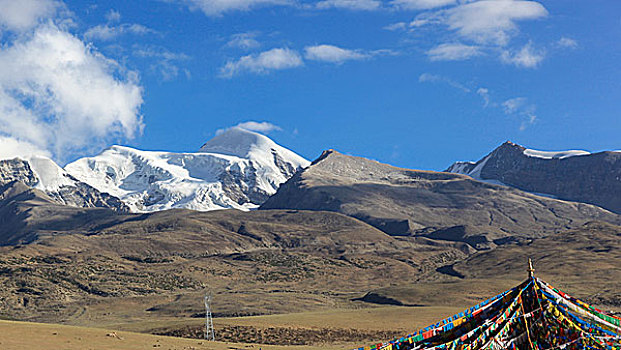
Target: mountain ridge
pixel 236 169
pixel 580 176
pixel 402 201
pixel 44 174
pixel 248 168
pixel 241 169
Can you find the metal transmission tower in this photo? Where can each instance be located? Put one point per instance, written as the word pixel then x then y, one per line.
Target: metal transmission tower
pixel 209 331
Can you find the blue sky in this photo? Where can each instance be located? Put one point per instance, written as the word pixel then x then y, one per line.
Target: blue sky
pixel 414 83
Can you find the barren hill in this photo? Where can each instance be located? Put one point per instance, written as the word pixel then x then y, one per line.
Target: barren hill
pixel 439 205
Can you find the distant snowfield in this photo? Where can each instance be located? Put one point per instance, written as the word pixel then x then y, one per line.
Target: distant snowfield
pixel 554 154
pixel 238 169
pixel 475 173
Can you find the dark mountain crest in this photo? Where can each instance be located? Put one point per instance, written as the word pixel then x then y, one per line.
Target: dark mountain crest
pixel 508 143
pixel 593 178
pixel 323 156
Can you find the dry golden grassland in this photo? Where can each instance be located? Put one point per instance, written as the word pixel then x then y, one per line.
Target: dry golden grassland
pixel 27 335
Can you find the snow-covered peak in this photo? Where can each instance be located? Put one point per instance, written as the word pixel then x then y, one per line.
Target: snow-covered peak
pixel 247 144
pixel 44 174
pixel 236 169
pixel 542 154
pixel 36 171
pixel 238 142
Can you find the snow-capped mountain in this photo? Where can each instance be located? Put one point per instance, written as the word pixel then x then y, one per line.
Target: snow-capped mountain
pixel 237 169
pixel 575 175
pixel 44 174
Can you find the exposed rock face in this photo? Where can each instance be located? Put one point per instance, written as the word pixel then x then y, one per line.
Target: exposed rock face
pixel 570 175
pixel 435 204
pixel 83 195
pixel 17 170
pixel 43 174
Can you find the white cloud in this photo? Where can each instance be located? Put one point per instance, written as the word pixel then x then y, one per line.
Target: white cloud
pixel 113 16
pixel 160 52
pixel 167 63
pixel 520 107
pixel 59 95
pixel 219 7
pixel 274 59
pixel 106 32
pixel 453 52
pixel 567 43
pixel 484 93
pixel 526 57
pixel 428 18
pixel 261 127
pixel 421 4
pixel 481 27
pixel 364 5
pixel 20 15
pixel 432 78
pixel 245 41
pixel 11 148
pixel 396 26
pixel 491 21
pixel 511 106
pixel 332 54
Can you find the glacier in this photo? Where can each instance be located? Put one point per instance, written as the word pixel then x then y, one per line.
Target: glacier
pixel 237 169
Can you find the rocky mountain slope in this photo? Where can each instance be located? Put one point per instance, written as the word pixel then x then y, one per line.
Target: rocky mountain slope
pixel 237 169
pixel 571 175
pixel 28 213
pixel 437 205
pixel 45 175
